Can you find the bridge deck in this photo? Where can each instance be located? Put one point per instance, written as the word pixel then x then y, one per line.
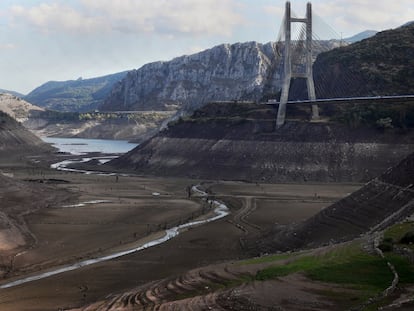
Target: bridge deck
pixel 396 98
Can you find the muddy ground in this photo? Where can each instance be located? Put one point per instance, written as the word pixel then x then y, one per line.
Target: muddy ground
pixel 136 209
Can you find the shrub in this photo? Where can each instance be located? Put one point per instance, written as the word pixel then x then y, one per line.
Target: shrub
pixel 408 238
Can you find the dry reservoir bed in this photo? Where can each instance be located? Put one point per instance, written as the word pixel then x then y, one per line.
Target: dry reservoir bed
pixel 130 210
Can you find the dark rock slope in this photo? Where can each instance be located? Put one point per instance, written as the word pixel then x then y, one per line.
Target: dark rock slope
pixel 380 203
pixel 380 65
pixel 239 142
pixel 15 140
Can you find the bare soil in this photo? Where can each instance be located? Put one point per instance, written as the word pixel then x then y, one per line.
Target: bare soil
pixel 64 233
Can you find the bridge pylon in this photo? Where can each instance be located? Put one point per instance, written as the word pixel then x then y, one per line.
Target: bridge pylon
pixel 289 73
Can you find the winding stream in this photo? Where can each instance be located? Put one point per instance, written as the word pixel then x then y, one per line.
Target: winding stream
pixel 220 211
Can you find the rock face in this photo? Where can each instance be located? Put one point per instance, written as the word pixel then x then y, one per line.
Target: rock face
pixel 226 72
pixel 239 142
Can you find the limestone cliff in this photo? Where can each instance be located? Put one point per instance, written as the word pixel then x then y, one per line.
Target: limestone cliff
pixel 225 72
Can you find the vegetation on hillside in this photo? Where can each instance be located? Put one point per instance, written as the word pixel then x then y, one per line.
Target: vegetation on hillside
pixel 74 95
pixel 380 65
pixel 59 116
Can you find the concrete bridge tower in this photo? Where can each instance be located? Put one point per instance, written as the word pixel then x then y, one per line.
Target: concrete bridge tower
pixel 289 73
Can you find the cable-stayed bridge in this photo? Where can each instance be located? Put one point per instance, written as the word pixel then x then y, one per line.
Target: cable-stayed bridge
pixel 297 42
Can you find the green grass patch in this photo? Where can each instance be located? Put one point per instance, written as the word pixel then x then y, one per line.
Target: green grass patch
pixel 347 265
pixel 404 268
pixel 397 231
pixel 266 259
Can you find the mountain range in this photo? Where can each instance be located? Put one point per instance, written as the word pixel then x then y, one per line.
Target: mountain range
pixel 3 91
pixel 241 71
pixel 361 36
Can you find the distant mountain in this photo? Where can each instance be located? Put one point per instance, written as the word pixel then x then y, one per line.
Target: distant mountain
pixel 3 91
pixel 74 95
pixel 361 36
pixel 380 65
pixel 240 71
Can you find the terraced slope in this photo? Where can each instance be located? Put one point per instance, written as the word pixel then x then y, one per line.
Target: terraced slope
pixel 238 141
pixel 316 280
pixel 381 202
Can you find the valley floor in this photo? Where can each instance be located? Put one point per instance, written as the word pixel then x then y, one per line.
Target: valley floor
pixel 119 213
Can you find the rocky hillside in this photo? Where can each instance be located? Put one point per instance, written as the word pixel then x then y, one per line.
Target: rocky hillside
pixel 225 72
pixel 17 141
pixel 132 126
pixel 17 107
pixel 241 71
pixel 380 203
pixel 74 95
pixel 239 142
pixel 380 65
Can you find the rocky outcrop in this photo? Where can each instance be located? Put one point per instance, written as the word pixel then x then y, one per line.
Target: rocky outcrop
pixel 239 142
pixel 225 72
pixel 16 107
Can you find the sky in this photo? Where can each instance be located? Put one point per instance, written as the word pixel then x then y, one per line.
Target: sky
pixel 44 40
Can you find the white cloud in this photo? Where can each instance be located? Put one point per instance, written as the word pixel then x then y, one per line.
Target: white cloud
pixel 357 15
pixel 7 46
pixel 193 17
pixel 352 16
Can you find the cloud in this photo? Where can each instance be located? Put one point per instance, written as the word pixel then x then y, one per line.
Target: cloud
pixel 178 17
pixel 358 15
pixel 351 16
pixel 7 46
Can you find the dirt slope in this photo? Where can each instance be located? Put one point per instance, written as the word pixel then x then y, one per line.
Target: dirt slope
pixel 239 142
pixel 380 203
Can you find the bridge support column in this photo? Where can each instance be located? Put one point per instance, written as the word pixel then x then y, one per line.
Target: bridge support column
pixel 288 73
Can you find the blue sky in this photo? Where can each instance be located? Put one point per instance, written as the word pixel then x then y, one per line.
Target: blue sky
pixel 42 40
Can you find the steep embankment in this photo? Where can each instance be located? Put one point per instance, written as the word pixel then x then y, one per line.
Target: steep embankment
pixel 74 95
pixel 239 142
pixel 380 203
pixel 16 141
pixel 380 65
